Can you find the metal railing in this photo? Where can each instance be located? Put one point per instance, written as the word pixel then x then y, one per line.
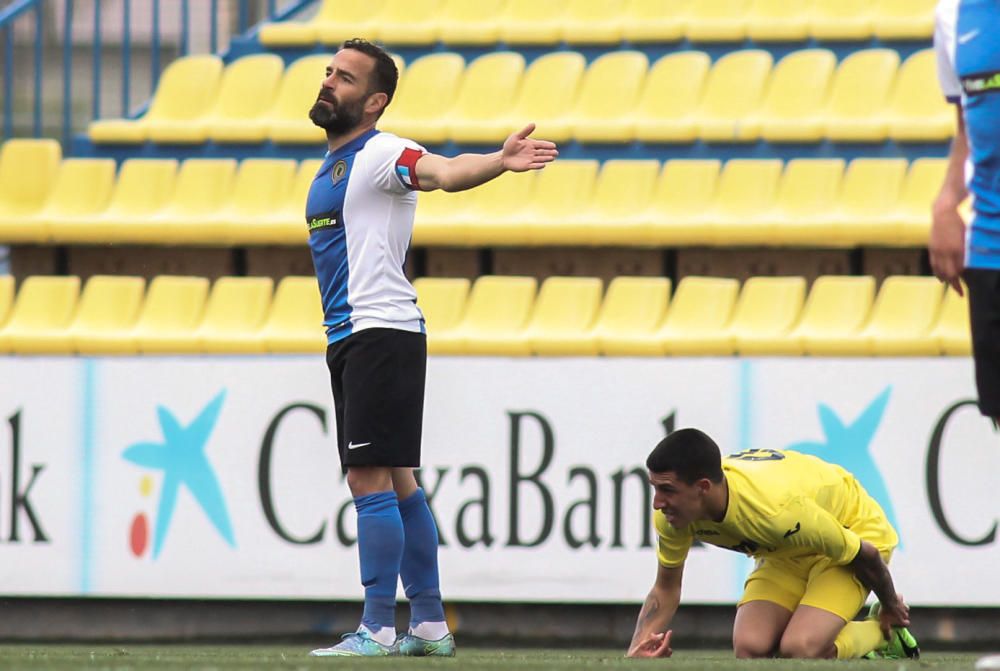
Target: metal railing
pixel 246 12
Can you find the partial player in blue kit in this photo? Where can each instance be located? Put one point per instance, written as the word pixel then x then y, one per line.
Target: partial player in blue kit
pixel 360 218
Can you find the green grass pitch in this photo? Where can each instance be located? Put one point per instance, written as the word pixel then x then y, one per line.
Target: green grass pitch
pixel 253 657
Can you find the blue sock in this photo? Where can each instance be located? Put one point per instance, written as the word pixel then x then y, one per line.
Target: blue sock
pixel 419 568
pixel 380 547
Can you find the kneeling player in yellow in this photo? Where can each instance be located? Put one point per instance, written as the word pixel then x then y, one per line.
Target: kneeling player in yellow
pixel 821 544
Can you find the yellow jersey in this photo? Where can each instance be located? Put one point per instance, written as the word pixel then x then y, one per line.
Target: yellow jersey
pixel 785 504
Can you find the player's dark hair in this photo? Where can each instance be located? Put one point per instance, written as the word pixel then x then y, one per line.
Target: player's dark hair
pixel 690 454
pixel 385 75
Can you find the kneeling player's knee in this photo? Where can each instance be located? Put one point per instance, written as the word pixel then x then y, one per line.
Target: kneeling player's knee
pixel 805 647
pixel 750 648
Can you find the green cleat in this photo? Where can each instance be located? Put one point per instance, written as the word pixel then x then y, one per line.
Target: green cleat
pixel 356 644
pixel 901 645
pixel 408 645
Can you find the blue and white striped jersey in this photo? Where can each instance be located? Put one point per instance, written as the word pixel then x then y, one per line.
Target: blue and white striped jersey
pixel 360 217
pixel 967 41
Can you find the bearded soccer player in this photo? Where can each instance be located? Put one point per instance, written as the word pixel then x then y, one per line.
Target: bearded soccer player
pixel 360 217
pixel 820 541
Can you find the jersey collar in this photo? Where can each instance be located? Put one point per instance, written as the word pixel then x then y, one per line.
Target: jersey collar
pixel 354 145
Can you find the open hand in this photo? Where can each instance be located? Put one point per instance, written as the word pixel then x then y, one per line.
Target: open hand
pixel 654 645
pixel 947 246
pixel 522 153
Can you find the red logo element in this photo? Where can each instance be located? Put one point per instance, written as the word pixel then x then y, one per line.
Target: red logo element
pixel 139 534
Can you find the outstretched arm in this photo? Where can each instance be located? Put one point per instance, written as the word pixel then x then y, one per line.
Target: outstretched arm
pixel 874 574
pixel 465 171
pixel 651 637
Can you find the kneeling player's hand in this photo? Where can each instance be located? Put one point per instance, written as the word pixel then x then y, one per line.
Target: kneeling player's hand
pixel 894 615
pixel 654 645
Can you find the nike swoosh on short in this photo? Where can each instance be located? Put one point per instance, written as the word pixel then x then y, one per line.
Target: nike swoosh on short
pixel 352 446
pixel 968 37
pixel 790 532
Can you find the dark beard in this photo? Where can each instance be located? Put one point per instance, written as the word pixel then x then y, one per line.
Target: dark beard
pixel 336 119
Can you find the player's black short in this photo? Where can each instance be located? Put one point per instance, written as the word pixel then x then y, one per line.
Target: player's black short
pixel 378 395
pixel 984 315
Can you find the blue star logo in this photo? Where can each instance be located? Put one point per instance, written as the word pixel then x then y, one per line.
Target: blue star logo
pixel 181 457
pixel 849 445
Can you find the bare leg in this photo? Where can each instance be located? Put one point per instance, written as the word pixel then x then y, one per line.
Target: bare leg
pixel 758 628
pixel 810 634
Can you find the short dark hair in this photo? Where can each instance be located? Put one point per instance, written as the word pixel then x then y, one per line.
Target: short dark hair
pixel 385 74
pixel 690 454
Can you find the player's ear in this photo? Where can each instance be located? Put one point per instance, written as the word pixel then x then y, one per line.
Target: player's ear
pixel 376 102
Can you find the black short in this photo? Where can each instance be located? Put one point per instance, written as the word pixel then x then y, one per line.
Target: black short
pixel 984 315
pixel 378 396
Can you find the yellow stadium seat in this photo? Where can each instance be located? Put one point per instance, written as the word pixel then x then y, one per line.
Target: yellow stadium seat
pixel 409 22
pixel 170 316
pixel 837 307
pixel 564 315
pixel 6 297
pixel 904 19
pixel 185 92
pixel 463 22
pixel 809 189
pixel 190 216
pixel 608 94
pixel 905 310
pixel 561 191
pixel 592 22
pixel 717 20
pixel 654 20
pixel 841 20
pixel 287 121
pixel 779 20
pixel 952 328
pixel 917 112
pixel 295 321
pixel 668 105
pixel 109 309
pixel 632 310
pixel 442 301
pixel 684 191
pixel 795 97
pixel 27 170
pixel 532 22
pixel 248 89
pixel 420 107
pixel 624 189
pixel 701 309
pixel 550 87
pixel 82 187
pixel 733 90
pixel 494 213
pixel 440 218
pixel 336 21
pixel 868 197
pixel 768 309
pixel 912 215
pixel 143 187
pixel 747 189
pixel 261 185
pixel 495 318
pixel 42 312
pixel 858 96
pixel 489 78
pixel 234 315
pixel 285 224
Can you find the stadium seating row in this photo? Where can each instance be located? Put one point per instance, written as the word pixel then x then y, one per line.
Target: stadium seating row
pixel 806 97
pixel 498 316
pixel 805 202
pixel 456 22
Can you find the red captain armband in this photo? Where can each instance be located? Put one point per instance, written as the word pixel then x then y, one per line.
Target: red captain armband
pixel 406 168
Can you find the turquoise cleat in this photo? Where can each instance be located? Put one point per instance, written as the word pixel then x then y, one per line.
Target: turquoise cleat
pixel 408 645
pixel 901 645
pixel 356 644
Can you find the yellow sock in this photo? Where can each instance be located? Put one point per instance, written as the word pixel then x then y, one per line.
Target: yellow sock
pixel 858 638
